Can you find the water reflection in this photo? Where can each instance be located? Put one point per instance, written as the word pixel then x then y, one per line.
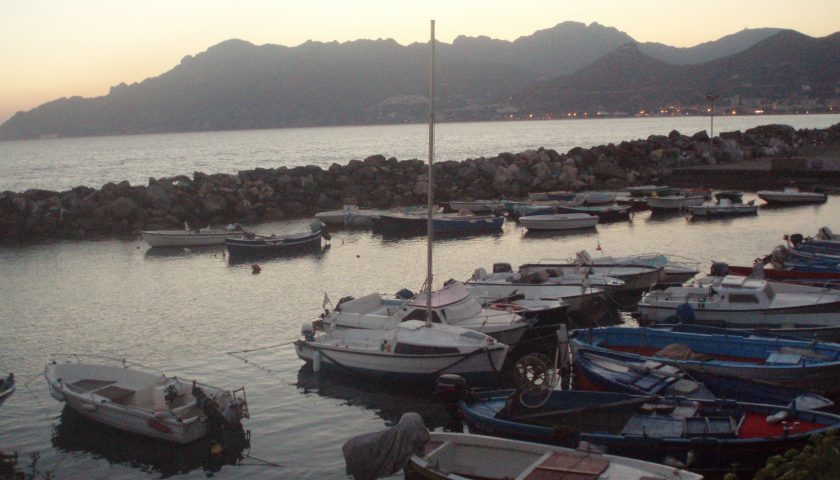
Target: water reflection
pixel 156 253
pixel 75 433
pixel 387 400
pixel 316 253
pixel 543 234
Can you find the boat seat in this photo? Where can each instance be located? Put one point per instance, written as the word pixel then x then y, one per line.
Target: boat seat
pixel 783 359
pixel 567 465
pixel 711 427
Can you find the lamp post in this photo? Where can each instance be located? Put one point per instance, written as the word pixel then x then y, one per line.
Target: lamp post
pixel 711 97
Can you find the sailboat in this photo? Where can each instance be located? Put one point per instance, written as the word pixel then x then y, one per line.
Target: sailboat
pixel 414 349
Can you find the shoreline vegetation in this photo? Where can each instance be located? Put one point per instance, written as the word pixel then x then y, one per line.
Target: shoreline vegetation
pixel 765 156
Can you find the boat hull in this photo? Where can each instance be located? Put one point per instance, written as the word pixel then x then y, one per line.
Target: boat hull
pixel 185 238
pixel 788 198
pixel 244 248
pixel 674 204
pixel 568 221
pixel 479 364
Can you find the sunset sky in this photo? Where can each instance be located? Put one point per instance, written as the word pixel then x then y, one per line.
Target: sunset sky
pixel 61 48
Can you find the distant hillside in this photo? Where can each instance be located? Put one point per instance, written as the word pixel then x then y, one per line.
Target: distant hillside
pixel 788 64
pixel 238 85
pixel 708 51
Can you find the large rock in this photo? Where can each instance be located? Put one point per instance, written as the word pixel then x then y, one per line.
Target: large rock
pixel 123 207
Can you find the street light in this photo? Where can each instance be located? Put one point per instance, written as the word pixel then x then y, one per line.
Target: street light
pixel 711 97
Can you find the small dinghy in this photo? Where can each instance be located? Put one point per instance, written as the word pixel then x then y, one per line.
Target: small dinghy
pixel 457 456
pixel 190 237
pixel 144 401
pixel 259 246
pixel 7 387
pixel 559 221
pixel 790 195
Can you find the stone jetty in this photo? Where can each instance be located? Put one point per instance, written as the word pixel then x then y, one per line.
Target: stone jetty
pixel 269 194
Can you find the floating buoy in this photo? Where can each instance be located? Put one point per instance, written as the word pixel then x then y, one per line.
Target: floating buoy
pixel 255 268
pixel 216 449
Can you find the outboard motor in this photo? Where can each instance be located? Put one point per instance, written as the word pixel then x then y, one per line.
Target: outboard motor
pixel 796 239
pixel 719 269
pixel 502 268
pixel 450 388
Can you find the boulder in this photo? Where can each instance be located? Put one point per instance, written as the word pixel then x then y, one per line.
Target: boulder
pixel 123 207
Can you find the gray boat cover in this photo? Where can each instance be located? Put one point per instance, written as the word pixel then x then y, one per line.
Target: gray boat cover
pixel 380 454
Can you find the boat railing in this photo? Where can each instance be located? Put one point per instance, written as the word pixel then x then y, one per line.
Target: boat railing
pixel 120 361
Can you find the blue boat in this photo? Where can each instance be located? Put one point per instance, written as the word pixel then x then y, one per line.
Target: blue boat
pixel 813 366
pixel 400 224
pixel 619 372
pixel 251 246
pixel 709 437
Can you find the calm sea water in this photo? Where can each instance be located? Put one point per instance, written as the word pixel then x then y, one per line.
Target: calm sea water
pixel 181 311
pixel 64 163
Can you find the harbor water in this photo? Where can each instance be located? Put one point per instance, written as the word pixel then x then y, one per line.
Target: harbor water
pixel 182 311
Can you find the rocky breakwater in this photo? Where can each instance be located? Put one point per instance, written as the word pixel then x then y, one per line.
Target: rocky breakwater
pixel 253 196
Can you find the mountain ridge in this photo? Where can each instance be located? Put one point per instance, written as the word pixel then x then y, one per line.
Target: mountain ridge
pixel 236 84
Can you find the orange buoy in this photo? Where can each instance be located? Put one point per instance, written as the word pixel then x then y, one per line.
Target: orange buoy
pixel 255 268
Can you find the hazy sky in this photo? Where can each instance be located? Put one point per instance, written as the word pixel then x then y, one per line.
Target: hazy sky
pixel 61 48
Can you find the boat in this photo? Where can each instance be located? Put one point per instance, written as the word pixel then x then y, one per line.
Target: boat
pixel 674 203
pixel 744 302
pixel 813 279
pixel 605 213
pixel 635 277
pixel 724 208
pixel 645 190
pixel 413 350
pixel 458 456
pixel 595 198
pixel 790 195
pixel 734 196
pixel 451 305
pixel 559 221
pixel 349 216
pixel 676 270
pixel 406 224
pixel 476 206
pixel 256 246
pixel 705 436
pixel 7 387
pixel 614 371
pixel 812 366
pixel 544 207
pixel 558 195
pixel 503 274
pixel 503 285
pixel 190 237
pixel 141 400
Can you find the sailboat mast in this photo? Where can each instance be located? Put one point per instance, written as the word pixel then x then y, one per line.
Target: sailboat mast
pixel 430 195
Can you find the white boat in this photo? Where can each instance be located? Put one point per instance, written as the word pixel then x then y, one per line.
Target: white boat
pixel 503 273
pixel 674 202
pixel 674 272
pixel 412 350
pixel 724 208
pixel 190 238
pixel 635 277
pixel 559 221
pixel 141 400
pixel 489 288
pixel 350 216
pixel 790 195
pixel 458 456
pixel 7 387
pixel 476 206
pixel 451 305
pixel 595 198
pixel 741 301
